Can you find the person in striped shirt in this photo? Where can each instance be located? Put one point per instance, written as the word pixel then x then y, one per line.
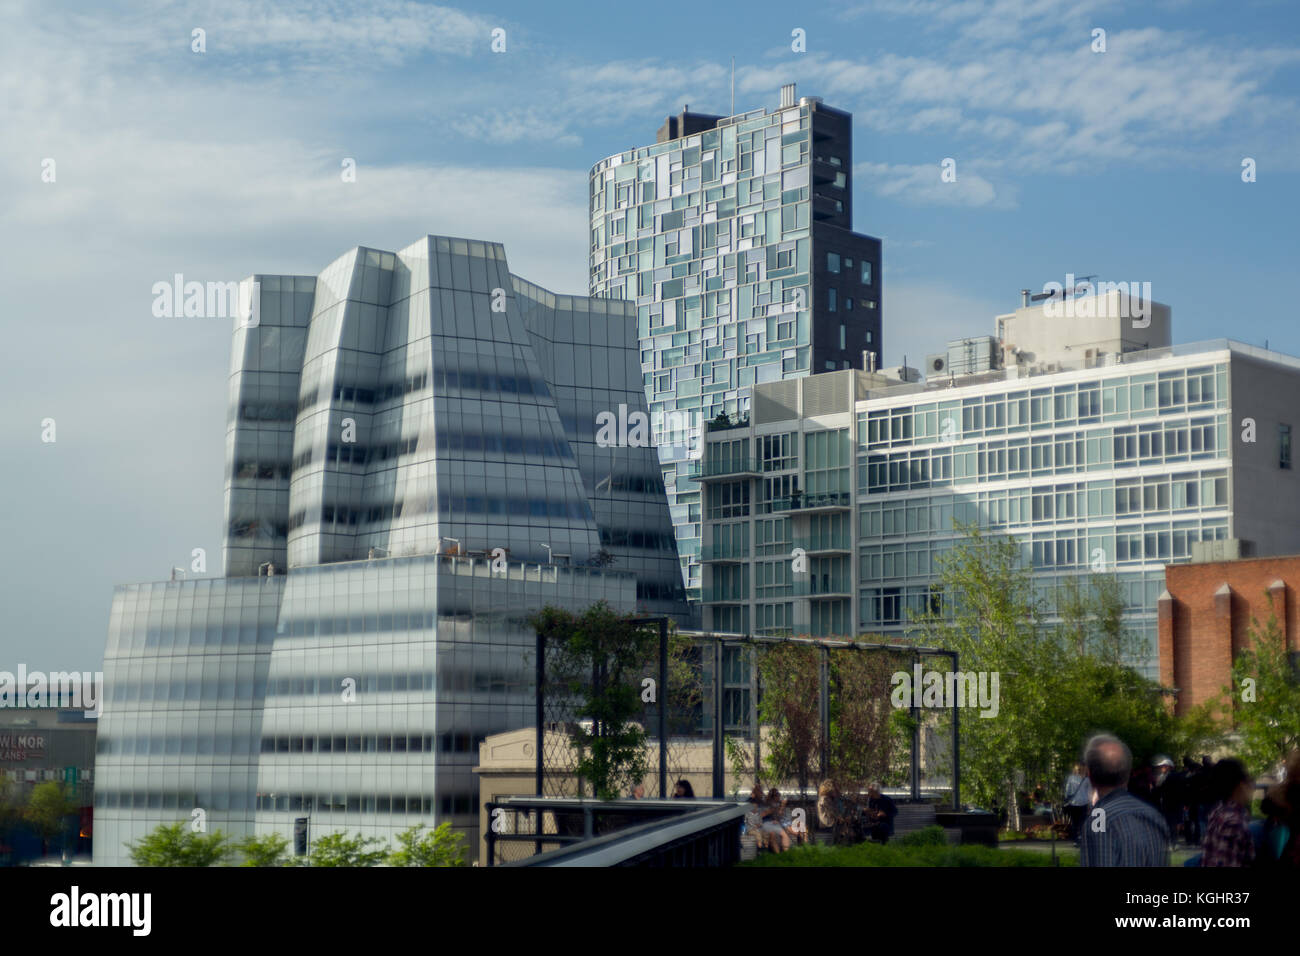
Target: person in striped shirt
pixel 1120 829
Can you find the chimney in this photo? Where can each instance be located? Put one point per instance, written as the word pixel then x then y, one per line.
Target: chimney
pixel 787 95
pixel 868 361
pixel 1024 298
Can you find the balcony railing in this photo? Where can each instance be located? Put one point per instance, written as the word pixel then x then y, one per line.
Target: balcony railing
pixel 724 555
pixel 717 595
pixel 824 545
pixel 831 501
pixel 728 468
pixel 823 586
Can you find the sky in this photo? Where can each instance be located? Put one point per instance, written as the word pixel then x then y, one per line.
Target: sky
pixel 1124 162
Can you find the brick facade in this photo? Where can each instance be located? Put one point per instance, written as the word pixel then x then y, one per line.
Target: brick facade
pixel 1205 615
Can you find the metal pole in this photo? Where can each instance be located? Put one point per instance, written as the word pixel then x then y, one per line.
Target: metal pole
pixel 956 761
pixel 663 707
pixel 539 716
pixel 754 728
pixel 824 707
pixel 719 780
pixel 916 740
pixel 539 743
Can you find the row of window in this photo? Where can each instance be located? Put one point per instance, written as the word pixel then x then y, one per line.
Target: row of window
pixel 1093 500
pixel 1115 399
pixel 1100 449
pixel 449 504
pixel 241 800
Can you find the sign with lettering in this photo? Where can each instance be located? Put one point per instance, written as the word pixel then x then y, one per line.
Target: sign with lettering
pixel 16 747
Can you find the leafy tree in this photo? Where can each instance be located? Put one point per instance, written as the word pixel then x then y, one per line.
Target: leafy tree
pixel 176 844
pixel 1265 693
pixel 861 732
pixel 991 616
pixel 1059 684
pixel 269 850
pixel 338 849
pixel 48 809
pixel 442 846
pixel 1091 610
pixel 597 663
pixel 790 706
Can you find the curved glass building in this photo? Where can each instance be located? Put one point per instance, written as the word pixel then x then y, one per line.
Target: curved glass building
pixel 413 469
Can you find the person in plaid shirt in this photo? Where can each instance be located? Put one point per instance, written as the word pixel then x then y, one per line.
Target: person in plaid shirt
pixel 1228 841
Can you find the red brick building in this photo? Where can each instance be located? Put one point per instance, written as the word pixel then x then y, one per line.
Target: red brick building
pixel 1205 614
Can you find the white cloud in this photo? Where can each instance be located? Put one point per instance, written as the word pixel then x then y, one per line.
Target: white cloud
pixel 923 184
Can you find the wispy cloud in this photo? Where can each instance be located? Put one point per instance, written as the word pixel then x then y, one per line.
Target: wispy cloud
pixel 924 184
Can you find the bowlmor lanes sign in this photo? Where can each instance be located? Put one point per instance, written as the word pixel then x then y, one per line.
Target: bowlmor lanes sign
pixel 16 747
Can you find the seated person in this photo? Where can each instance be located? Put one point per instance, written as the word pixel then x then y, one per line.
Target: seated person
pixel 833 812
pixel 879 815
pixel 754 817
pixel 778 837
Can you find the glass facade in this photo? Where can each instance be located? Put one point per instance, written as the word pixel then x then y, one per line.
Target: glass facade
pixel 412 459
pixel 1120 469
pixel 734 243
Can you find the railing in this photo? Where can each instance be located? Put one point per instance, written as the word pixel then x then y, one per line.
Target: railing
pixel 684 833
pixel 718 595
pixel 837 500
pixel 721 467
pixel 824 544
pixel 717 425
pixel 714 553
pixel 819 587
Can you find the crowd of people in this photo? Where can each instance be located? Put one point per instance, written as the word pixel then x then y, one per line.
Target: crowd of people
pixel 1125 817
pixel 849 819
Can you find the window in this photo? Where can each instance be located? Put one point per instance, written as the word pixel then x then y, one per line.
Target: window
pixel 830 299
pixel 833 262
pixel 866 272
pixel 1284 446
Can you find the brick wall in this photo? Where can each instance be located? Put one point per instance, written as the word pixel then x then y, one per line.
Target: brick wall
pixel 1205 615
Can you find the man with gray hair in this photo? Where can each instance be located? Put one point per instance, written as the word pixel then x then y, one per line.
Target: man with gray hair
pixel 1120 829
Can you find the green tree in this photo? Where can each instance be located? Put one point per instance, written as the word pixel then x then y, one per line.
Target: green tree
pixel 596 664
pixel 1059 684
pixel 176 844
pixel 862 737
pixel 1091 609
pixel 338 849
pixel 442 846
pixel 269 850
pixel 48 809
pixel 991 616
pixel 789 705
pixel 1265 693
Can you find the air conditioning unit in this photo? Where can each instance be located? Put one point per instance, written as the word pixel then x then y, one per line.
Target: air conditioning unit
pixel 936 364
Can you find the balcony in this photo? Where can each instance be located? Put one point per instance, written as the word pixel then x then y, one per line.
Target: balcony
pixel 717 595
pixel 815 504
pixel 823 586
pixel 721 469
pixel 821 546
pixel 716 555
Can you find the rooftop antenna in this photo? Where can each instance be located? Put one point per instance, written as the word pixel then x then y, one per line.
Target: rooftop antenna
pixel 733 86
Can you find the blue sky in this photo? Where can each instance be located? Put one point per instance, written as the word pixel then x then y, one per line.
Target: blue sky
pixel 1125 164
